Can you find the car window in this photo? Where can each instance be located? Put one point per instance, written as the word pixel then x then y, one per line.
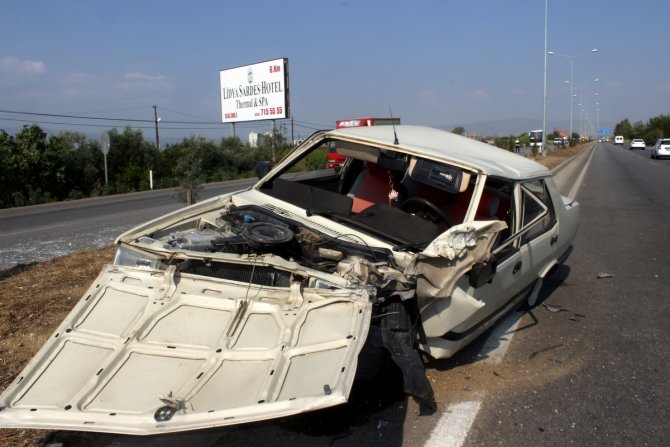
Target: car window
pixel 537 215
pixel 504 189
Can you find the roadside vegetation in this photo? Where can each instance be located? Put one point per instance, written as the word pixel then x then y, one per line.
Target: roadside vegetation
pixel 657 127
pixel 39 168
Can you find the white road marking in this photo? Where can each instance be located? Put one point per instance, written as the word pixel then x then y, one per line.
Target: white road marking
pixel 453 426
pixel 575 188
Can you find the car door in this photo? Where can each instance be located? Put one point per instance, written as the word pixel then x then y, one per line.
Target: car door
pixel 538 234
pixel 475 305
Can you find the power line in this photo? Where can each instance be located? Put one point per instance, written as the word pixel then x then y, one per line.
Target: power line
pixel 185 114
pixel 103 125
pixel 55 115
pixel 248 125
pixel 133 120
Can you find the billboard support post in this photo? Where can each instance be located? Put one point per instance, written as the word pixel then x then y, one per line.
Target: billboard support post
pixel 272 143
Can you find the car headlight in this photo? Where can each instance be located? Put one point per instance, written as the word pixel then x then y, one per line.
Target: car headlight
pixel 131 258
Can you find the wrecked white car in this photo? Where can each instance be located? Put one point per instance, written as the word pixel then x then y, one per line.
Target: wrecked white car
pixel 272 300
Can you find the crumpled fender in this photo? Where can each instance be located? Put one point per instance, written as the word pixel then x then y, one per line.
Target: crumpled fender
pixel 448 258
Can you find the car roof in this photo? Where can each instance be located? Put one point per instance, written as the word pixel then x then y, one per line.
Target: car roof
pixel 447 146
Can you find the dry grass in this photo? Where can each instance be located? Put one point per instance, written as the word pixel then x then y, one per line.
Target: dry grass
pixel 34 299
pixel 556 157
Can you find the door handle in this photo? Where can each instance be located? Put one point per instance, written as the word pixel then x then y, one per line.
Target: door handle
pixel 554 239
pixel 517 267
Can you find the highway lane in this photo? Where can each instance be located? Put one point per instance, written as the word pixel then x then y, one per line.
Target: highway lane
pixel 590 368
pixel 37 233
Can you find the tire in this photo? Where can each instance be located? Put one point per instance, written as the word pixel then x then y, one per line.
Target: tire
pixel 374 358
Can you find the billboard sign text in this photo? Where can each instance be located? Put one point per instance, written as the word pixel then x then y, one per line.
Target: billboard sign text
pixel 255 92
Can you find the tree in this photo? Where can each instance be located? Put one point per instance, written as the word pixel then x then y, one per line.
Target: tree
pixel 129 160
pixel 458 130
pixel 657 127
pixel 26 159
pixel 624 129
pixel 84 164
pixel 190 176
pixel 10 181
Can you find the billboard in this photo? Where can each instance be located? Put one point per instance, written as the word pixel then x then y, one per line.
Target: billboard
pixel 255 92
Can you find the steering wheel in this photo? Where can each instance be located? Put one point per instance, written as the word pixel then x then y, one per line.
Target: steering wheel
pixel 426 209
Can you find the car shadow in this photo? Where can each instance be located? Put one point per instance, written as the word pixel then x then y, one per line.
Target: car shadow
pixel 376 410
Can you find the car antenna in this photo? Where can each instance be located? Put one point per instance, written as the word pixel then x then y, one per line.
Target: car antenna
pixel 395 135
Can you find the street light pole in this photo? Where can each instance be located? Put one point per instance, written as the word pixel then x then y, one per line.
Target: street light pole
pixel 572 76
pixel 544 110
pixel 572 92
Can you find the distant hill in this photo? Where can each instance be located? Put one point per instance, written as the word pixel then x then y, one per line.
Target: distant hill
pixel 506 127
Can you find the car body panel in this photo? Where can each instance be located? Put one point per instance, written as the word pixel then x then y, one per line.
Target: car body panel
pixel 441 145
pixel 637 143
pixel 213 352
pixel 257 304
pixel 661 148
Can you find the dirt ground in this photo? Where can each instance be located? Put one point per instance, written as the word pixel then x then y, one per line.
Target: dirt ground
pixel 35 298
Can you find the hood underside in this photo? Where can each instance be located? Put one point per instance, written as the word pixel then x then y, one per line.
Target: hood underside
pixel 149 351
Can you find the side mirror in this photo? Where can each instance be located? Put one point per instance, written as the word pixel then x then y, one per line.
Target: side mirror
pixel 262 168
pixel 483 272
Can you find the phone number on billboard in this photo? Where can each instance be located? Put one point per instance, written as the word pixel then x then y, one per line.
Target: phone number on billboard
pixel 270 111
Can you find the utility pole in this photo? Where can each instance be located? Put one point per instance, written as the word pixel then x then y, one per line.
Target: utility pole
pixel 158 146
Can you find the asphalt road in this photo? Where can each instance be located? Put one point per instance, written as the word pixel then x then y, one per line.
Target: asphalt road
pixel 587 366
pixel 37 233
pixel 596 372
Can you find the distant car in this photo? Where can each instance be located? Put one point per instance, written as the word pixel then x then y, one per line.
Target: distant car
pixel 618 140
pixel 661 148
pixel 269 301
pixel 637 143
pixel 558 141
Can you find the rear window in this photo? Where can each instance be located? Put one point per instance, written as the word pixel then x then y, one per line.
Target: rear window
pixel 665 142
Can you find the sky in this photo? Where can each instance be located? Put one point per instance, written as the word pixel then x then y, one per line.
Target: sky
pixel 436 63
